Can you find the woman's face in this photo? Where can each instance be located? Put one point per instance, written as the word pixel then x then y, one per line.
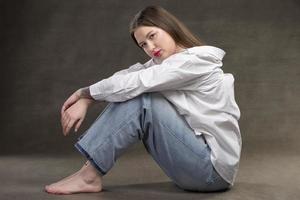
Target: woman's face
pixel 156 42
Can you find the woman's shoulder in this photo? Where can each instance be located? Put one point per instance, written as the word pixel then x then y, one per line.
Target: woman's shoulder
pixel 207 50
pixel 193 54
pixel 198 54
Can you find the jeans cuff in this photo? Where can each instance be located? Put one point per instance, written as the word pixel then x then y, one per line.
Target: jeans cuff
pixel 86 154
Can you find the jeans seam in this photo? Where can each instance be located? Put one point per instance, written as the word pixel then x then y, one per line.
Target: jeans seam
pixel 122 124
pixel 102 112
pixel 190 149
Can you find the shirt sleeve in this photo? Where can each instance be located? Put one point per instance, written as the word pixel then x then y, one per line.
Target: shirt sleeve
pixel 132 68
pixel 175 73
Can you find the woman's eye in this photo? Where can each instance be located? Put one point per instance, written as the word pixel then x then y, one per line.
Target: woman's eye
pixel 143 45
pixel 152 36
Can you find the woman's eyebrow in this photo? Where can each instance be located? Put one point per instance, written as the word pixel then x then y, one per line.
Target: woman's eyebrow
pixel 146 37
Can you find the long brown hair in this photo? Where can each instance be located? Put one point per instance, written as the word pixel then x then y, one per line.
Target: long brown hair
pixel 159 17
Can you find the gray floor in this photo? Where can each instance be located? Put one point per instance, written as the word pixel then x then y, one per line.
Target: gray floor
pixel 270 174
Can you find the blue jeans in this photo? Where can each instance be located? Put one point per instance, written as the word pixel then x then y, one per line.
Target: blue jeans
pixel 152 119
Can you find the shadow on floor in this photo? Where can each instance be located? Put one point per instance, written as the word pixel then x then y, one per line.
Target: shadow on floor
pixel 167 190
pixel 160 190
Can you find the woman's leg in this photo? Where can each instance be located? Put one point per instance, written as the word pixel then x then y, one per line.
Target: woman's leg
pixel 182 155
pixel 150 117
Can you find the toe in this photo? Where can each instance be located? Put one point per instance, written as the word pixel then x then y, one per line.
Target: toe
pixel 50 189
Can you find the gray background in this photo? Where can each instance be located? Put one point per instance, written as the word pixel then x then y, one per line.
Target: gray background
pixel 51 48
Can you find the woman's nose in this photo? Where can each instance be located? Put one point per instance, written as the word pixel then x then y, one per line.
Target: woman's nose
pixel 151 46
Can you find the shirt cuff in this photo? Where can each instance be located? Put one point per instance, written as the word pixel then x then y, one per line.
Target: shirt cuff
pixel 95 91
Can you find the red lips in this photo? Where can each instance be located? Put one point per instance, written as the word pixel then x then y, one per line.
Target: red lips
pixel 157 53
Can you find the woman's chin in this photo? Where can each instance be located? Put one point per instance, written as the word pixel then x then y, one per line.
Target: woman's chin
pixel 157 60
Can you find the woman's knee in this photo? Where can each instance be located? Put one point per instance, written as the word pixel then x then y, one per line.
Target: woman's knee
pixel 155 99
pixel 161 106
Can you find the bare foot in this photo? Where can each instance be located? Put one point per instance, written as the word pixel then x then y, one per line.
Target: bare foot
pixel 86 179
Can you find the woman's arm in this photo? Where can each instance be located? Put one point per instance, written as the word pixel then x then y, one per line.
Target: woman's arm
pixel 80 93
pixel 132 68
pixel 177 73
pixel 74 109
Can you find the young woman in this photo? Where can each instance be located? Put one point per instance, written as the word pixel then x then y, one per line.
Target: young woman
pixel 180 104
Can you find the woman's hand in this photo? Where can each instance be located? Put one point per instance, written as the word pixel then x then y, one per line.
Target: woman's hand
pixel 71 100
pixel 73 112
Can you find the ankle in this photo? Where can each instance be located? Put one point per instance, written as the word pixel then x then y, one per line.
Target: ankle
pixel 90 174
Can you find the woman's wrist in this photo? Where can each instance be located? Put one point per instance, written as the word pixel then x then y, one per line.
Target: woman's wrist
pixel 85 93
pixel 87 101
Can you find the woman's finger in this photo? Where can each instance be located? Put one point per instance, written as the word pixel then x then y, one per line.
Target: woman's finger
pixel 64 118
pixel 66 105
pixel 70 101
pixel 69 126
pixel 78 124
pixel 66 121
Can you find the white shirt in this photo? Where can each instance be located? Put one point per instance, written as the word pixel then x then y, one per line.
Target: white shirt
pixel 195 83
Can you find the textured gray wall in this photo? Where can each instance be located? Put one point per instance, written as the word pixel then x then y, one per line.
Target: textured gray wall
pixel 50 48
